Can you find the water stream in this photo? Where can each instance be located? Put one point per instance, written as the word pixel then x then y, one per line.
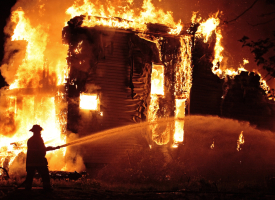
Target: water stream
pixel 119 131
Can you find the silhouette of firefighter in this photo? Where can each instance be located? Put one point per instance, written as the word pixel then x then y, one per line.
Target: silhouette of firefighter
pixel 36 159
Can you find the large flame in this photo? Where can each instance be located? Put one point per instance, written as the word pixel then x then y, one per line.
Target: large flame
pixel 38 76
pixel 89 101
pixel 36 92
pixel 123 17
pixel 205 29
pixel 183 84
pixel 35 95
pixel 157 81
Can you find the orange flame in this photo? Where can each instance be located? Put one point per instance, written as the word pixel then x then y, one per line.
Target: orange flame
pixel 205 30
pixel 240 141
pixel 36 81
pixel 212 145
pixel 89 101
pixel 157 83
pixel 179 123
pixel 125 17
pixel 207 27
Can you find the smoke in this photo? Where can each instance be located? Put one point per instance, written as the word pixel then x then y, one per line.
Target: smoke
pixel 18 166
pixel 74 161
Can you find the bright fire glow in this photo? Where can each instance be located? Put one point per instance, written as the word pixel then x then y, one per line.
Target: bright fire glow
pixel 179 124
pixel 128 19
pixel 205 29
pixel 212 145
pixel 183 71
pixel 78 48
pixel 183 84
pixel 36 80
pixel 240 141
pixel 157 83
pixel 39 73
pixel 88 101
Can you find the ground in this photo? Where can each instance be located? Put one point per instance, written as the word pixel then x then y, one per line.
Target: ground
pixel 78 193
pixel 91 189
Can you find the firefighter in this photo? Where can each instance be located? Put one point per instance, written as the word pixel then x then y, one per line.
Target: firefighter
pixel 36 159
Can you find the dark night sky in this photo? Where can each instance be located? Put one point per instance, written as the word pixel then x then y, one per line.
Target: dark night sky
pixel 182 9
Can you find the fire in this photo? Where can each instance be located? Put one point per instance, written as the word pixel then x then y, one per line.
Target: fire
pixel 36 92
pixel 206 27
pixel 240 141
pixel 212 145
pixel 183 84
pixel 157 83
pixel 35 95
pixel 264 85
pixel 127 19
pixel 152 116
pixel 125 16
pixel 78 48
pixel 218 54
pixel 39 75
pixel 89 101
pixel 179 124
pixel 184 70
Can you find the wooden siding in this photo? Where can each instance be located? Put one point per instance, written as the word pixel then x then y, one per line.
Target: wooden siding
pixel 112 77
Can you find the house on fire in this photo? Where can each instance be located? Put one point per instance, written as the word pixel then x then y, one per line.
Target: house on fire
pixel 120 77
pixel 114 67
pixel 114 73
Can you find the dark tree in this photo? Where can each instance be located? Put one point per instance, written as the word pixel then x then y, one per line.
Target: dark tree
pixel 263 51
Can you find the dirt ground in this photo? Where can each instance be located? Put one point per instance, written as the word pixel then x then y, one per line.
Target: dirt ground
pixel 78 193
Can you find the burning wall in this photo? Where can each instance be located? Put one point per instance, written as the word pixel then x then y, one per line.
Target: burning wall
pixel 130 88
pixel 35 65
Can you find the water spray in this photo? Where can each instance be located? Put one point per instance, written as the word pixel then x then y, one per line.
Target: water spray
pixel 113 131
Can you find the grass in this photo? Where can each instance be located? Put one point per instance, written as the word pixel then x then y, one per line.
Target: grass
pixel 193 184
pixel 190 187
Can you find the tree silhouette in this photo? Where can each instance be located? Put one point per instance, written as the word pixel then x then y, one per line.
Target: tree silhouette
pixel 263 51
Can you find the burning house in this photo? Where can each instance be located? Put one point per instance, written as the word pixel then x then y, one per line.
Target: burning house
pixel 108 72
pixel 116 75
pixel 120 77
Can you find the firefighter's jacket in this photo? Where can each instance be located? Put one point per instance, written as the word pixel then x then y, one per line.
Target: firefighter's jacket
pixel 36 152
